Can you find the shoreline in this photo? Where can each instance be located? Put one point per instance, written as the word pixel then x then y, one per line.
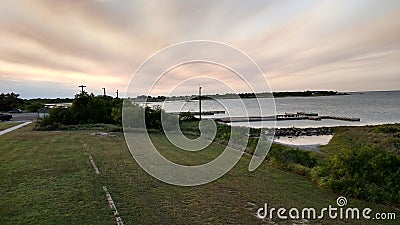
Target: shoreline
pixel 314 147
pixel 296 132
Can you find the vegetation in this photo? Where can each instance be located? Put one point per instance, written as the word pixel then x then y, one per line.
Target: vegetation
pixel 203 97
pixel 47 178
pixel 384 137
pixel 86 109
pixel 363 156
pixel 10 101
pixel 143 98
pixel 33 105
pixel 294 160
pixel 283 157
pixel 306 93
pixel 89 109
pixel 360 161
pixel 366 173
pixel 98 126
pixel 363 162
pixel 4 126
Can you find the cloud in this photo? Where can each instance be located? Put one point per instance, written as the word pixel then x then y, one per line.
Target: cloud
pixel 312 44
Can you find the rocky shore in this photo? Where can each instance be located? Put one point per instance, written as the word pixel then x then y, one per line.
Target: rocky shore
pixel 293 131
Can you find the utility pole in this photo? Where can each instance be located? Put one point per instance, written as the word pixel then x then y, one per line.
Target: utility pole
pixel 117 93
pixel 104 92
pixel 82 86
pixel 200 102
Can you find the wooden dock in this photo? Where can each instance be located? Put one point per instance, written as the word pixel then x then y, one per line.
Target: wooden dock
pixel 206 113
pixel 286 116
pixel 209 112
pixel 341 118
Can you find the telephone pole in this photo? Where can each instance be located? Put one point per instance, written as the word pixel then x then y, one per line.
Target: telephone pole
pixel 104 92
pixel 82 86
pixel 200 102
pixel 117 93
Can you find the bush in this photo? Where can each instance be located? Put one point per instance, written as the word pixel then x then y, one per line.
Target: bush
pixel 293 160
pixel 282 155
pixel 152 118
pixel 396 142
pixel 388 128
pixel 366 173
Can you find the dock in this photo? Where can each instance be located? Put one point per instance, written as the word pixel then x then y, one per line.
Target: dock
pixel 286 116
pixel 209 112
pixel 206 113
pixel 341 118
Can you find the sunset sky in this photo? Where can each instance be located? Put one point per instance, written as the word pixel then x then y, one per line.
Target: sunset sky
pixel 50 47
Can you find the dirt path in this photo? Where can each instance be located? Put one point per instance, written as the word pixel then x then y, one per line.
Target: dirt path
pixel 14 128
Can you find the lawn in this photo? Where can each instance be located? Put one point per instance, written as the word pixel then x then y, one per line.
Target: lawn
pixel 47 178
pixel 6 125
pixel 385 137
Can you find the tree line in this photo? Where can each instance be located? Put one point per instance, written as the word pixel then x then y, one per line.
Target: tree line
pixel 12 101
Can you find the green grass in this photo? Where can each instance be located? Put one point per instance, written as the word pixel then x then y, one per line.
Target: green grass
pixel 46 178
pixel 6 125
pixel 357 137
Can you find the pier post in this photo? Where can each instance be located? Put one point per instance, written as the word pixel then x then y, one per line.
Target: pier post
pixel 200 102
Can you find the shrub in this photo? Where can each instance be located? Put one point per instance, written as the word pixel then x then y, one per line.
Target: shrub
pixel 389 128
pixel 366 173
pixel 285 155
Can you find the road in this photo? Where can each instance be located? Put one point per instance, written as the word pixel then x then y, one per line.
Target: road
pixel 24 116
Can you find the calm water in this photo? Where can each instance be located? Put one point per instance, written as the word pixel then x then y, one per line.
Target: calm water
pixel 372 107
pixel 306 141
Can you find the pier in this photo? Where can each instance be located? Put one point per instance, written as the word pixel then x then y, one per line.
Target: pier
pixel 206 113
pixel 209 112
pixel 286 116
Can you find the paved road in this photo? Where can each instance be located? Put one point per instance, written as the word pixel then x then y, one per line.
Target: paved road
pixel 14 128
pixel 24 116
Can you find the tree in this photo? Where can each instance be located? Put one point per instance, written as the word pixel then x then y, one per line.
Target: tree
pixel 10 101
pixel 88 109
pixel 33 107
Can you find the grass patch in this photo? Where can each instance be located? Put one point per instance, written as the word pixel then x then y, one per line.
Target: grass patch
pixel 48 179
pixel 6 125
pixel 96 126
pixel 384 137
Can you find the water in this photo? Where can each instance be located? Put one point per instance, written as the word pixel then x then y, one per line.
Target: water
pixel 371 107
pixel 307 142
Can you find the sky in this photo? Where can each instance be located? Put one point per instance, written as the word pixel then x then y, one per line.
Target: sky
pixel 50 47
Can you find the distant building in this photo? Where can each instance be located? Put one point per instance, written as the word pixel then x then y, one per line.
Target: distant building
pixel 58 105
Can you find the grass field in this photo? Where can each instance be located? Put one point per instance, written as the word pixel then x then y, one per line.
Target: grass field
pixel 47 178
pixel 7 125
pixel 385 137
